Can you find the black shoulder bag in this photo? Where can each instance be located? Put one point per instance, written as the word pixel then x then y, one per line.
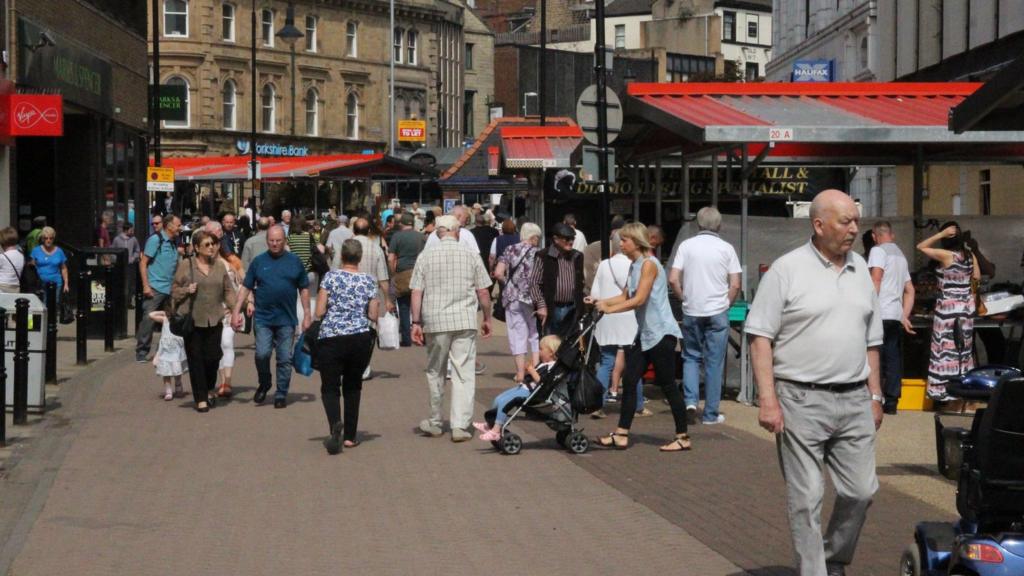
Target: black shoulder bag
pixel 183 324
pixel 317 260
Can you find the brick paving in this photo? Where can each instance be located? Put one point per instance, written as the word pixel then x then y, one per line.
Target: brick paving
pixel 129 484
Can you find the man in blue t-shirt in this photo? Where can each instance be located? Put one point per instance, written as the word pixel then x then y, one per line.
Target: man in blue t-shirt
pixel 269 291
pixel 157 265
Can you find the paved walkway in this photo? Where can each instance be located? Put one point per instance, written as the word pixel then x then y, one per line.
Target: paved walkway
pixel 122 482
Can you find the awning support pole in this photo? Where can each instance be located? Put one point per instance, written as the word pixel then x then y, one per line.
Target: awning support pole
pixel 636 179
pixel 747 392
pixel 714 178
pixel 647 191
pixel 657 194
pixel 686 189
pixel 918 203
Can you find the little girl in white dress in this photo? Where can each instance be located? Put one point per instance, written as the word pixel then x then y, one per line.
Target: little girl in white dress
pixel 170 357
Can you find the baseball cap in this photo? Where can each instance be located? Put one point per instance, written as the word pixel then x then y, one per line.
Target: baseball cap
pixel 408 219
pixel 447 221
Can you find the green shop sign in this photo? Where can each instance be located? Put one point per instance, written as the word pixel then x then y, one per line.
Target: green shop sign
pixel 48 61
pixel 173 102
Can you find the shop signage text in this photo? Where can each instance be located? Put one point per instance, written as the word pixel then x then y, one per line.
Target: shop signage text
pixel 159 179
pixel 172 102
pixel 31 115
pixel 813 70
pixel 796 182
pixel 49 61
pixel 412 131
pixel 268 149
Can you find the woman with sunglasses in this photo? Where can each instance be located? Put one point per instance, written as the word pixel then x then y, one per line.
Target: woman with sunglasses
pixel 50 261
pixel 202 287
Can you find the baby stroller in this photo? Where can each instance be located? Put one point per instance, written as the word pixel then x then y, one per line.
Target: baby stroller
pixel 989 537
pixel 569 389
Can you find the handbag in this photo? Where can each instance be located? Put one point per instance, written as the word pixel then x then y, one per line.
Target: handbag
pixel 302 360
pixel 498 311
pixel 317 260
pixel 183 324
pixel 311 343
pixel 28 280
pixel 402 282
pixel 67 314
pixel 586 394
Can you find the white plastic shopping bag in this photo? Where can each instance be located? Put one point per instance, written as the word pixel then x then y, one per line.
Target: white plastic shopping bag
pixel 387 332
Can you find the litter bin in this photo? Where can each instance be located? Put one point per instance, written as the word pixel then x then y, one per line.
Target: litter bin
pixel 96 261
pixel 36 349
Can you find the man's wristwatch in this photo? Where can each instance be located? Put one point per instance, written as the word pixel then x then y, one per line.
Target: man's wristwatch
pixel 878 398
pixel 417 323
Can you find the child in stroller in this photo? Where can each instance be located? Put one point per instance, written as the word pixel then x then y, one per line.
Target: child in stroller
pixel 491 431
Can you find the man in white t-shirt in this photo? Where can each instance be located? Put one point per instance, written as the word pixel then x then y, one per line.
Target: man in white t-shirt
pixel 891 275
pixel 706 277
pixel 579 242
pixel 465 237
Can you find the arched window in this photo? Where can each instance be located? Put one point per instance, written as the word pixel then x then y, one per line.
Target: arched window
pixel 228 101
pixel 352 115
pixel 352 37
pixel 410 47
pixel 312 112
pixel 176 18
pixel 399 33
pixel 268 106
pixel 179 81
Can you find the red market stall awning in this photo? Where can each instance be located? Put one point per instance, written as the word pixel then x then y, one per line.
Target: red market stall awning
pixel 236 168
pixel 539 146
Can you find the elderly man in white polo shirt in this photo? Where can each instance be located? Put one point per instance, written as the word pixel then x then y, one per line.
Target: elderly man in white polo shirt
pixel 448 283
pixel 818 387
pixel 705 275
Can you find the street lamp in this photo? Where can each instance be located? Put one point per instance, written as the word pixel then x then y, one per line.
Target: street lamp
pixel 289 34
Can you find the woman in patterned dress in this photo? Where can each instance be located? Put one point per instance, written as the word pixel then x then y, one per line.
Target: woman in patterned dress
pixel 513 270
pixel 346 304
pixel 957 267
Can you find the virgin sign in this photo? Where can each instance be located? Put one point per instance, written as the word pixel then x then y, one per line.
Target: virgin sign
pixel 31 115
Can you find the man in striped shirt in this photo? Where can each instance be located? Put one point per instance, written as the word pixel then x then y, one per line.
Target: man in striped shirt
pixel 557 286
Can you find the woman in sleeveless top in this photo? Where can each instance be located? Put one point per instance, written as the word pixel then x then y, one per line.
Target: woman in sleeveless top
pixel 658 335
pixel 955 305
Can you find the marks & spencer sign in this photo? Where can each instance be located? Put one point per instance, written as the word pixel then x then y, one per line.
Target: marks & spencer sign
pixel 48 61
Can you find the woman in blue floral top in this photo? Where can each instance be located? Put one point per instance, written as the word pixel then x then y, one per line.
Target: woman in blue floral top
pixel 346 305
pixel 513 270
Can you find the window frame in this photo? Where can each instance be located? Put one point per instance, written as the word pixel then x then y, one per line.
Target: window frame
pixel 729 25
pixel 620 41
pixel 753 22
pixel 412 45
pixel 397 44
pixel 268 35
pixel 224 22
pixel 352 39
pixel 177 124
pixel 468 57
pixel 315 111
pixel 311 33
pixel 224 105
pixel 272 109
pixel 352 116
pixel 166 29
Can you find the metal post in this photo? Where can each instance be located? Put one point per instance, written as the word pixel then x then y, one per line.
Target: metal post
pixel 602 128
pixel 714 179
pixel 82 316
pixel 391 83
pixel 686 190
pixel 108 309
pixel 139 296
pixel 21 361
pixel 293 89
pixel 252 97
pixel 155 97
pixel 542 70
pixel 3 377
pixel 52 310
pixel 748 394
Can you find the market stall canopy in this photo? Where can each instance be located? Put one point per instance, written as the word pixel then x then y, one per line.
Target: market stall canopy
pixel 337 166
pixel 858 123
pixel 539 146
pixel 998 105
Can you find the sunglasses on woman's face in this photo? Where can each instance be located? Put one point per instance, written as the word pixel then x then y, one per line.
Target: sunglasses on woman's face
pixel 206 244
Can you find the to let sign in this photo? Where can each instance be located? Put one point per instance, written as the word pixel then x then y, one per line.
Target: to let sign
pixel 412 131
pixel 159 179
pixel 31 115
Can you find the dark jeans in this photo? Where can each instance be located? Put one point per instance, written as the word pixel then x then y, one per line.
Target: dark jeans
pixel 404 319
pixel 560 319
pixel 663 357
pixel 342 360
pixel 202 348
pixel 144 333
pixel 892 361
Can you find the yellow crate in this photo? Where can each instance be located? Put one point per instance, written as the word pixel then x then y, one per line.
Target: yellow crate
pixel 913 396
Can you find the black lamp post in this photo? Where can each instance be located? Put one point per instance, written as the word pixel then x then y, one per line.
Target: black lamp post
pixel 289 34
pixel 253 162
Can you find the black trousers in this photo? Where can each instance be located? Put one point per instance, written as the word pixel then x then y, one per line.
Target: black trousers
pixel 342 360
pixel 892 361
pixel 202 348
pixel 663 357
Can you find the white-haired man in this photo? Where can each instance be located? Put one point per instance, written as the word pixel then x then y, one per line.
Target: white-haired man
pixel 891 275
pixel 705 276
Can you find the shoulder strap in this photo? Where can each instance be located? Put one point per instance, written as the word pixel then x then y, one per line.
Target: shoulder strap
pixel 611 270
pixel 13 267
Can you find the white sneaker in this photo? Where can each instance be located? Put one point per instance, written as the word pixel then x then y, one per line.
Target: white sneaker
pixel 719 420
pixel 368 373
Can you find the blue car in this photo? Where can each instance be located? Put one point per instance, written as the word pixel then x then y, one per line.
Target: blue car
pixel 988 540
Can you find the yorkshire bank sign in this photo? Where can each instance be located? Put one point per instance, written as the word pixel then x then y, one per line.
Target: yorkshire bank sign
pixel 31 115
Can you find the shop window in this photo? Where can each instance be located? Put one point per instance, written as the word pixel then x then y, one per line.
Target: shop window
pixel 268 105
pixel 312 112
pixel 267 26
pixel 985 191
pixel 397 52
pixel 410 47
pixel 469 56
pixel 683 67
pixel 227 32
pixel 728 25
pixel 176 18
pixel 352 37
pixel 352 115
pixel 179 81
pixel 311 22
pixel 620 35
pixel 229 96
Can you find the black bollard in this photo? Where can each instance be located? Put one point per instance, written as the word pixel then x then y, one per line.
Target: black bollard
pixel 82 316
pixel 21 361
pixel 52 312
pixel 108 309
pixel 139 297
pixel 3 377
